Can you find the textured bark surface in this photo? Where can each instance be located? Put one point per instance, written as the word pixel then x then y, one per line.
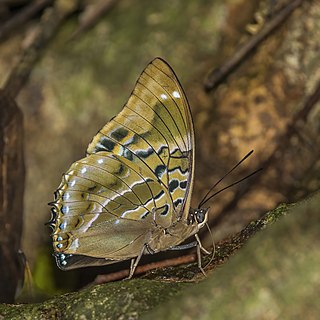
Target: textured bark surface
pixel 271 277
pixel 11 195
pixel 260 106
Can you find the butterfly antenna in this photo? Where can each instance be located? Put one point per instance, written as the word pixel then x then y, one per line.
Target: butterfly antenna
pixel 232 184
pixel 204 200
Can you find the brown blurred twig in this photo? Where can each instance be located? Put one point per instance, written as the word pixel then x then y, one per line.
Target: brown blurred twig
pixel 50 22
pixel 91 15
pixel 23 16
pixel 12 174
pixel 144 268
pixel 216 76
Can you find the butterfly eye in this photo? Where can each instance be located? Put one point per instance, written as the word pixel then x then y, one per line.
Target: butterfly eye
pixel 200 215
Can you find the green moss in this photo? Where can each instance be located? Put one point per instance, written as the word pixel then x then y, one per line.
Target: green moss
pixel 272 277
pixel 125 299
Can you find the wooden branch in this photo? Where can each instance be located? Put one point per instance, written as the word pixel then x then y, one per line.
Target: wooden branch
pixel 23 16
pixel 216 76
pixel 12 177
pixel 91 15
pixel 224 249
pixel 283 140
pixel 51 21
pixel 145 268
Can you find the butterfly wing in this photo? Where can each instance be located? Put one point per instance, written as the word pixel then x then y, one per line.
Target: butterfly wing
pixel 138 173
pixel 155 131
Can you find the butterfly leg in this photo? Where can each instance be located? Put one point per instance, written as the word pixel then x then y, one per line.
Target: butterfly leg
pixel 199 249
pixel 199 260
pixel 205 251
pixel 135 262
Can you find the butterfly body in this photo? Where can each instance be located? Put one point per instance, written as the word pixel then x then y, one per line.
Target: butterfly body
pixel 131 194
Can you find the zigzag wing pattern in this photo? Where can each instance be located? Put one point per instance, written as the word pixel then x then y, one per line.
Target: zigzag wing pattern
pixel 138 173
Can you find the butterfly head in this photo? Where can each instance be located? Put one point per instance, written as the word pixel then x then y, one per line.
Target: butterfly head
pixel 198 216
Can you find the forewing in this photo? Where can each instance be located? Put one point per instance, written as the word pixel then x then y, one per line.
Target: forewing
pixel 155 131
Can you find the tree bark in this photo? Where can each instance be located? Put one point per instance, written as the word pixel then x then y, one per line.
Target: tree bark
pixel 11 195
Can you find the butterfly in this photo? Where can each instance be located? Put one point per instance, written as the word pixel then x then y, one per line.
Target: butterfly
pixel 131 194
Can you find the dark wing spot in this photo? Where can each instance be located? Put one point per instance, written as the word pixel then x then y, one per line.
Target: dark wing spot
pixel 145 153
pixel 163 210
pixel 159 170
pixel 119 133
pixel 120 170
pixel 107 144
pixel 53 219
pixel 163 149
pixel 145 215
pixel 183 184
pixel 177 202
pixel 128 154
pixel 159 195
pixel 92 188
pixel 173 185
pixel 54 212
pixel 56 195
